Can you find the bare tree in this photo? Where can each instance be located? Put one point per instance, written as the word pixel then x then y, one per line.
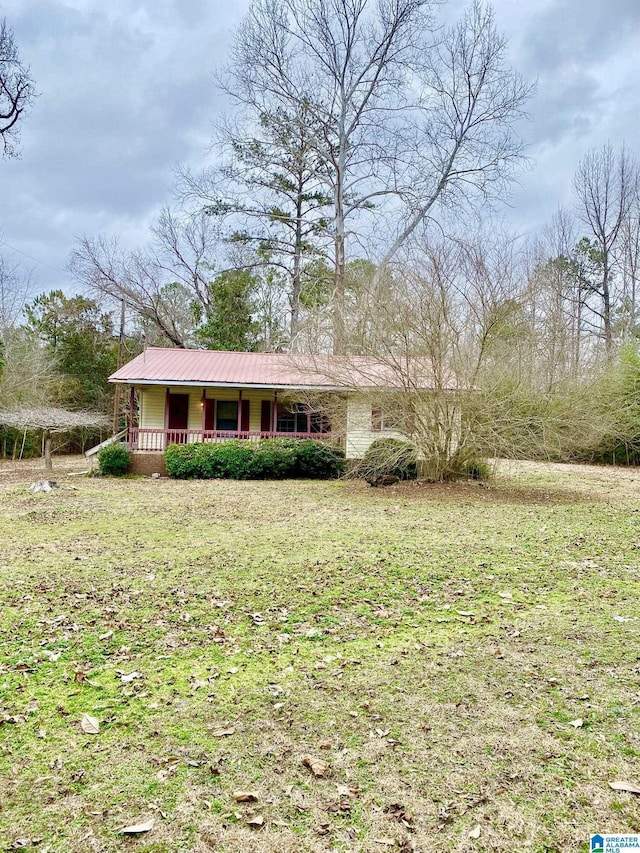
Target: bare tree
pixel 17 90
pixel 603 184
pixel 28 375
pixel 453 331
pixel 50 421
pixel 555 301
pixel 628 262
pixel 465 143
pixel 160 284
pixel 396 115
pixel 15 287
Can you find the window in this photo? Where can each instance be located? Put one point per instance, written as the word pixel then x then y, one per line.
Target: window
pixel 227 415
pixel 292 418
pixel 381 420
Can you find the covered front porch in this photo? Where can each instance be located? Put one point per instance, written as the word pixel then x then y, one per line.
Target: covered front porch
pixel 181 415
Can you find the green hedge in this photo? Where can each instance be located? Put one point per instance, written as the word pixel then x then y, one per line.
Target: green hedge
pixel 271 459
pixel 114 459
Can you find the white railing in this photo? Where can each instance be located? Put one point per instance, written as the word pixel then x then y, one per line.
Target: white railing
pixel 158 439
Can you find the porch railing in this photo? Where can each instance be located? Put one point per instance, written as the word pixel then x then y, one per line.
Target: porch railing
pixel 158 439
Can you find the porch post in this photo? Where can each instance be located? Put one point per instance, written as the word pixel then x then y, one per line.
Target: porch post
pixel 132 408
pixel 166 418
pixel 308 420
pixel 239 424
pixel 204 410
pixel 275 411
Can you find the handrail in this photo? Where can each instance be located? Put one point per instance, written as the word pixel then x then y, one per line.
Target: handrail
pixel 111 440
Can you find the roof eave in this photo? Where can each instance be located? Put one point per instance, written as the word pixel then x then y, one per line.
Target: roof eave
pixel 208 384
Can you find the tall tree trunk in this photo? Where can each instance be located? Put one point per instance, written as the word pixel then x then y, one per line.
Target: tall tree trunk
pixel 48 464
pixel 339 326
pixel 296 287
pixel 116 396
pixel 606 316
pixel 606 304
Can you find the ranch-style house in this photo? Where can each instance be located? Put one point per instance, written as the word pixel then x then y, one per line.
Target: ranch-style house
pixel 182 396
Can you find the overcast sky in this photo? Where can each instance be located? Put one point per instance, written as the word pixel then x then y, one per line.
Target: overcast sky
pixel 126 93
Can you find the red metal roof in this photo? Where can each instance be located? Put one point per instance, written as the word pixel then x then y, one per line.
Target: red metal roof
pixel 169 366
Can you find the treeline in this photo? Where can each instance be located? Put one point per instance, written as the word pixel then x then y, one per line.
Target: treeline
pixel 57 351
pixel 340 214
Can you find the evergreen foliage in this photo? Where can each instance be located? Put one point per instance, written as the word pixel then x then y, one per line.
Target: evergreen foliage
pixel 227 323
pixel 271 459
pixel 114 460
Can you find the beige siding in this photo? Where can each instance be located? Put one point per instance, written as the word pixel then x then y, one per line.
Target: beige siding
pixel 195 408
pixel 255 398
pixel 359 432
pixel 152 402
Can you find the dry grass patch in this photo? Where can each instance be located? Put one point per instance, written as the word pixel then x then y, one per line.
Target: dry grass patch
pixel 433 646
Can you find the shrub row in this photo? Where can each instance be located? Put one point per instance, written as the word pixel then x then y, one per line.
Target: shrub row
pixel 270 459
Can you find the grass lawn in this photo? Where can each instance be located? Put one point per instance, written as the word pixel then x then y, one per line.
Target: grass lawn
pixel 464 660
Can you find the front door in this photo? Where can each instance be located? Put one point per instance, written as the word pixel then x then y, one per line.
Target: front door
pixel 178 418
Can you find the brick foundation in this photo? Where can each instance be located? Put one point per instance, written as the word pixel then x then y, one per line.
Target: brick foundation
pixel 147 464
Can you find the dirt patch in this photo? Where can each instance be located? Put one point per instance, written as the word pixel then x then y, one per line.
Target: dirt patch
pixel 28 470
pixel 508 486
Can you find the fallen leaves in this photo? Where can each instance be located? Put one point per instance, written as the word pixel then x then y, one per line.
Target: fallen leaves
pixel 398 812
pixel 52 656
pixel 127 678
pixel 255 821
pixel 346 791
pixel 90 725
pixel 138 828
pixel 475 832
pixel 318 767
pixel 223 732
pixel 245 796
pixel 577 724
pixel 629 787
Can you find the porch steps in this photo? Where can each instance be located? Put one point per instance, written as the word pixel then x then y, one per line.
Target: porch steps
pixel 119 436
